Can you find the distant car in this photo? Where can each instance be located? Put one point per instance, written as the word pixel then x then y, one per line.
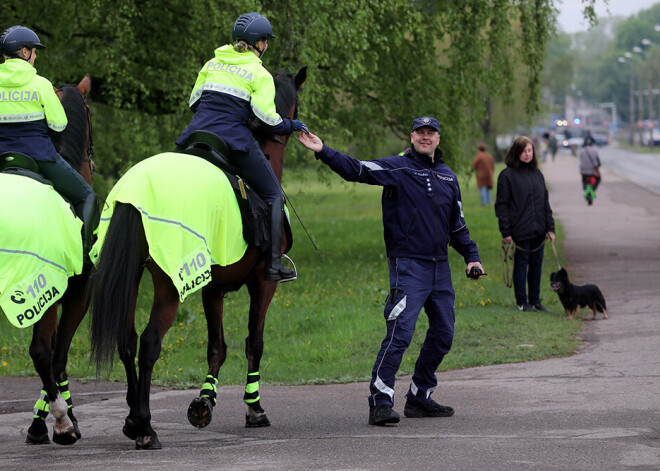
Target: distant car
pixel 561 139
pixel 601 139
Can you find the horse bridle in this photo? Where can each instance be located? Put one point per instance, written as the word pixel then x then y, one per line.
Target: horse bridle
pixel 90 143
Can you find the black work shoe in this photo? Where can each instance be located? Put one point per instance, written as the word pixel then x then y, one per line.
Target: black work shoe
pixel 383 415
pixel 432 409
pixel 541 307
pixel 526 307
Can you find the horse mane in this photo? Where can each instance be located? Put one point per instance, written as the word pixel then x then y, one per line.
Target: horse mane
pixel 286 98
pixel 71 142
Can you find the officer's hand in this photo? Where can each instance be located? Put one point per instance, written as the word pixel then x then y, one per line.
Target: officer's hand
pixel 299 126
pixel 311 141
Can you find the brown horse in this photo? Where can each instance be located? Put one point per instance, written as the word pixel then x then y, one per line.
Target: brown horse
pixel 51 341
pixel 124 256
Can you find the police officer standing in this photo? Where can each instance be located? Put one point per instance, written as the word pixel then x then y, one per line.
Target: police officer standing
pixel 422 215
pixel 29 110
pixel 229 88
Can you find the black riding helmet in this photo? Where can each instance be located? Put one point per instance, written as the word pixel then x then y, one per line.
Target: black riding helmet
pixel 251 27
pixel 16 37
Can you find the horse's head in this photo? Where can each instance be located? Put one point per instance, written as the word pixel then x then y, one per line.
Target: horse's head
pixel 75 143
pixel 286 103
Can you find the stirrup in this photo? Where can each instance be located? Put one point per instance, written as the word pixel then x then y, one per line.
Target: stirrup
pixel 295 272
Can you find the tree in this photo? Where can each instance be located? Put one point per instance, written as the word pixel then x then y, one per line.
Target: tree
pixel 374 65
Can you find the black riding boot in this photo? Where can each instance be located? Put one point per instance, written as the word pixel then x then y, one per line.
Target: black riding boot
pixel 275 271
pixel 88 211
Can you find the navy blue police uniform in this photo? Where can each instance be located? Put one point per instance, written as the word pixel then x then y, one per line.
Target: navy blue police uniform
pixel 422 216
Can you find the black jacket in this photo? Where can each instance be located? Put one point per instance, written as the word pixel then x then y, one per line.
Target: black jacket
pixel 522 206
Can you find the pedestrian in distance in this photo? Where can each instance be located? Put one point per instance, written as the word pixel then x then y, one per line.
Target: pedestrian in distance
pixel 30 113
pixel 589 169
pixel 484 166
pixel 229 88
pixel 525 219
pixel 552 145
pixel 422 215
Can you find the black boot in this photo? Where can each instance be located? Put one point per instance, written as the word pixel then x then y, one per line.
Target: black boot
pixel 275 271
pixel 88 211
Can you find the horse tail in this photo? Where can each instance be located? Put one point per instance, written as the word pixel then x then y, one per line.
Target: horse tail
pixel 113 285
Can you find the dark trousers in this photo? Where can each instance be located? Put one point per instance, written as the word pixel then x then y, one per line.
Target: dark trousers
pixel 414 284
pixel 66 181
pixel 585 181
pixel 257 172
pixel 527 267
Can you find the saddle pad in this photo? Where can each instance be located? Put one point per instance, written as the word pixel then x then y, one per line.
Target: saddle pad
pixel 40 248
pixel 189 213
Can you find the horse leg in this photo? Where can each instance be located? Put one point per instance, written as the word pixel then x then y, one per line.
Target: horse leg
pixel 200 411
pixel 127 357
pixel 74 307
pixel 41 351
pixel 163 311
pixel 261 294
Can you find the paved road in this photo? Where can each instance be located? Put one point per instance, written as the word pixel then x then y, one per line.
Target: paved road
pixel 643 169
pixel 597 410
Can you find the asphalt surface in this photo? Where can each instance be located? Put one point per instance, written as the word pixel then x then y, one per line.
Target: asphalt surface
pixel 597 410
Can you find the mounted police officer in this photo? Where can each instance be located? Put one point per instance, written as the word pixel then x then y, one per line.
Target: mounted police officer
pixel 422 215
pixel 229 89
pixel 29 111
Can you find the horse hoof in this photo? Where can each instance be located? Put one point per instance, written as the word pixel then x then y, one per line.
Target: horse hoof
pixel 200 412
pixel 258 419
pixel 68 438
pixel 37 434
pixel 130 429
pixel 37 439
pixel 148 443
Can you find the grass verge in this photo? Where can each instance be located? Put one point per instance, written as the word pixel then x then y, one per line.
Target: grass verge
pixel 328 325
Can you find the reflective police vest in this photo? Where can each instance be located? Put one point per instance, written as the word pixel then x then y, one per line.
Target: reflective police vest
pixel 228 88
pixel 28 107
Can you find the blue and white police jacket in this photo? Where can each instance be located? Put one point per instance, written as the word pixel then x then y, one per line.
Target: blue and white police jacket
pixel 422 209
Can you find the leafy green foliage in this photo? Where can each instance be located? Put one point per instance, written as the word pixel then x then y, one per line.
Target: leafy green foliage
pixel 374 65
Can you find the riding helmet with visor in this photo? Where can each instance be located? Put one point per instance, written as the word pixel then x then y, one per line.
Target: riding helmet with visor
pixel 16 37
pixel 252 27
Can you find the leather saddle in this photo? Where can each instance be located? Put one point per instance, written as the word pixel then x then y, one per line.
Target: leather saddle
pixel 254 211
pixel 16 163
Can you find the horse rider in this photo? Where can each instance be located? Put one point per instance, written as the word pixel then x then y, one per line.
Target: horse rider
pixel 29 111
pixel 230 87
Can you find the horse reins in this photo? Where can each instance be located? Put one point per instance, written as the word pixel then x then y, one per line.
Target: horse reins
pixel 508 251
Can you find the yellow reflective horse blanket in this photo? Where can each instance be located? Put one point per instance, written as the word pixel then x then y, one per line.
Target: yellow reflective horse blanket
pixel 40 248
pixel 190 216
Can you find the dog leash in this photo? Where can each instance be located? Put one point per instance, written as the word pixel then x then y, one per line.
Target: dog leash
pixel 508 251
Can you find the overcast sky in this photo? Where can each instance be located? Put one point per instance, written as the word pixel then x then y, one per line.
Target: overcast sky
pixel 570 12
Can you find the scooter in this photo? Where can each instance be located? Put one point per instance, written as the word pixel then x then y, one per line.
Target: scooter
pixel 589 193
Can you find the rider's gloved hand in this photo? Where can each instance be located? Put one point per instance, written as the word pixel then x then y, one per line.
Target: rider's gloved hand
pixel 299 126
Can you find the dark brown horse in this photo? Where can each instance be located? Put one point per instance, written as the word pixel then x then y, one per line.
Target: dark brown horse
pixel 51 341
pixel 123 258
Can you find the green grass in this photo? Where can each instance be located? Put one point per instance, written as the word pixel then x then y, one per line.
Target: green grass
pixel 328 325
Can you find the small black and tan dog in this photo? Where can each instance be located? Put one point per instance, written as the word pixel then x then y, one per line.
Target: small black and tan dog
pixel 574 297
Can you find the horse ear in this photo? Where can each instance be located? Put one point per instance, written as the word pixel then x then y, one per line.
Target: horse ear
pixel 85 85
pixel 301 76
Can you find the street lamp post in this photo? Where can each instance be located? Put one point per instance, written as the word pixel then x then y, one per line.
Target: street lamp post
pixel 631 98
